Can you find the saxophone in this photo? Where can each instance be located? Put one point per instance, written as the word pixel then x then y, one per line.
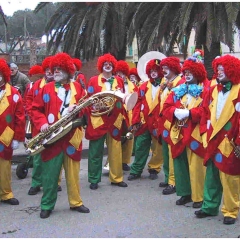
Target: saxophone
pixel 102 102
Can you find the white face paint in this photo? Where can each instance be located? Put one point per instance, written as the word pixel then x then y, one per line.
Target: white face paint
pixel 166 71
pixel 133 79
pixel 221 74
pixel 60 75
pixel 107 67
pixel 154 74
pixel 188 77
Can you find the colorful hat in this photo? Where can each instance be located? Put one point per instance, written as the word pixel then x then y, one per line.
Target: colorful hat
pixel 64 61
pixel 5 70
pixel 78 63
pixel 154 65
pixel 46 63
pixel 106 58
pixel 133 71
pixel 123 67
pixel 231 66
pixel 196 68
pixel 173 63
pixel 34 70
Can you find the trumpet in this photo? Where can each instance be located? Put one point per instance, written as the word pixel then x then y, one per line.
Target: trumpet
pixel 236 149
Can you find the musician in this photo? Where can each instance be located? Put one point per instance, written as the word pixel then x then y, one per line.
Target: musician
pixel 171 70
pixel 107 127
pixel 183 109
pixel 122 70
pixel 53 102
pixel 11 131
pixel 42 79
pixel 78 75
pixel 145 115
pixel 221 127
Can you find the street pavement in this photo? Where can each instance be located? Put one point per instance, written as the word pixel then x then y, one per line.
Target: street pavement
pixel 138 211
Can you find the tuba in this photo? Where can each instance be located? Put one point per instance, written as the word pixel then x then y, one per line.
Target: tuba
pixel 102 103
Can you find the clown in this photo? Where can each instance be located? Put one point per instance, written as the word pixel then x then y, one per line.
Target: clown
pixel 221 126
pixel 171 70
pixel 145 124
pixel 78 75
pixel 122 70
pixel 53 101
pixel 183 110
pixel 133 76
pixel 107 127
pixel 12 131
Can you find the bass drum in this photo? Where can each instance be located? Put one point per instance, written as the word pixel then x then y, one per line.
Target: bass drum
pixel 143 61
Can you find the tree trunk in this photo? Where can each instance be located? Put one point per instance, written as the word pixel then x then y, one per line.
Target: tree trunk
pixel 209 56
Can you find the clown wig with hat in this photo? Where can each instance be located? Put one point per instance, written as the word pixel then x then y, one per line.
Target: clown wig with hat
pixel 106 58
pixel 5 70
pixel 133 71
pixel 64 61
pixel 154 64
pixel 173 63
pixel 231 67
pixel 196 68
pixel 78 63
pixel 123 67
pixel 35 70
pixel 46 63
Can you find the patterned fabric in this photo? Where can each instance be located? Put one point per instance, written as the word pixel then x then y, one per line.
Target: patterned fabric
pixel 193 89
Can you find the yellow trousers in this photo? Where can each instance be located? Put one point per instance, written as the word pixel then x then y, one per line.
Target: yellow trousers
pixel 127 148
pixel 197 174
pixel 156 161
pixel 5 180
pixel 231 194
pixel 114 159
pixel 171 178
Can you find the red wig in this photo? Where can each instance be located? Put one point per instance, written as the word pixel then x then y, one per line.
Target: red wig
pixel 36 69
pixel 46 63
pixel 133 71
pixel 106 58
pixel 231 66
pixel 78 63
pixel 154 65
pixel 196 68
pixel 64 61
pixel 5 70
pixel 173 63
pixel 123 67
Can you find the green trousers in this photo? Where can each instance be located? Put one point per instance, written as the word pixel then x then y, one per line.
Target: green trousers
pixel 181 173
pixel 37 171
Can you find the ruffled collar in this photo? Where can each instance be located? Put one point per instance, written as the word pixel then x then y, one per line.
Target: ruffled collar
pixel 193 89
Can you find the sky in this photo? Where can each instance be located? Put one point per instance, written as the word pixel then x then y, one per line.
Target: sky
pixel 11 6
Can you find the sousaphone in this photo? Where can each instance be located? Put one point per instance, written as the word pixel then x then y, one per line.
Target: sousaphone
pixel 143 61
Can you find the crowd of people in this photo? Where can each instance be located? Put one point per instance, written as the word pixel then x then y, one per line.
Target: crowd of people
pixel 189 124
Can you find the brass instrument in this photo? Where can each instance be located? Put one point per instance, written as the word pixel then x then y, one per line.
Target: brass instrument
pixel 179 123
pixel 235 147
pixel 102 102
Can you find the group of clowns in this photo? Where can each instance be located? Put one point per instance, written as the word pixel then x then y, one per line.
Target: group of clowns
pixel 189 124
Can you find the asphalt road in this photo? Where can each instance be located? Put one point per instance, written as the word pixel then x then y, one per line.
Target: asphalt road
pixel 138 211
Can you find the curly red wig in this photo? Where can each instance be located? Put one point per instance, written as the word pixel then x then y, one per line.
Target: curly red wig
pixel 154 64
pixel 123 67
pixel 106 58
pixel 78 63
pixel 46 63
pixel 173 63
pixel 36 69
pixel 196 68
pixel 231 66
pixel 133 71
pixel 5 70
pixel 64 61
